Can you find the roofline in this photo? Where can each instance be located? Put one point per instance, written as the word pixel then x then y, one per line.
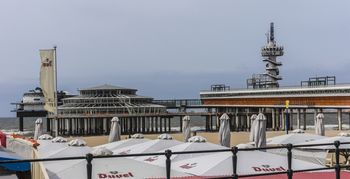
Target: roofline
pixel 278 96
pixel 281 89
pixel 279 106
pixel 80 97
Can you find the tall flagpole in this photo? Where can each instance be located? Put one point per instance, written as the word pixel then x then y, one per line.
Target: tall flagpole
pixel 56 96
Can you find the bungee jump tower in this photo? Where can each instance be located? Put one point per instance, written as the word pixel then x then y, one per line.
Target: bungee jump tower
pixel 269 52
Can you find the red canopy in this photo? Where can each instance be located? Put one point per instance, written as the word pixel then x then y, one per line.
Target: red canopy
pixel 3 139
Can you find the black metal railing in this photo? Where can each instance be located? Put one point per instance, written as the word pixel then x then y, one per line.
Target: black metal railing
pixel 168 153
pixel 176 103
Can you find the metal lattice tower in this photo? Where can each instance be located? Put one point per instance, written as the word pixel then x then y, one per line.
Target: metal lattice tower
pixel 270 52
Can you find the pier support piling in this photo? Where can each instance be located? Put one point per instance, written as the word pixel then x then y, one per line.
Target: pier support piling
pixel 20 123
pixel 283 121
pixel 340 120
pixel 298 119
pixel 304 119
pixel 273 116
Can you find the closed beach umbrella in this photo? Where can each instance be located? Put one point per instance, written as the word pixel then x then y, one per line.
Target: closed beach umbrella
pixel 115 133
pixel 252 127
pixel 186 128
pixel 260 131
pixel 38 128
pixel 224 131
pixel 319 126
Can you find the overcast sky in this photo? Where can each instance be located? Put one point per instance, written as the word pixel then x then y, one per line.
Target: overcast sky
pixel 168 49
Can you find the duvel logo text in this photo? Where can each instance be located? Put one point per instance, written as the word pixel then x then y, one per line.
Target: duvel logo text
pixel 268 168
pixel 115 174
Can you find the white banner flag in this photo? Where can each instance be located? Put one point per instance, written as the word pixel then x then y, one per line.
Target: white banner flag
pixel 47 78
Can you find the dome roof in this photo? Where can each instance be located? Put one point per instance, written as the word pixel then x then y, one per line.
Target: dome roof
pixel 106 87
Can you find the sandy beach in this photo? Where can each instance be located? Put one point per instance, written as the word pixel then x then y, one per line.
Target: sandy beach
pixel 236 137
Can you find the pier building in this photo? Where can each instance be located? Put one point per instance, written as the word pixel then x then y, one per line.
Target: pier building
pixel 263 94
pixel 241 103
pixel 32 105
pixel 90 112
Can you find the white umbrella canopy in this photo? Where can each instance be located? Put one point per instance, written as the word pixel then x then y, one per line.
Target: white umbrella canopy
pixel 112 168
pixel 341 137
pixel 68 151
pixel 147 147
pixel 186 128
pixel 313 156
pixel 224 131
pixel 260 131
pixel 248 162
pixel 38 128
pixel 319 125
pixel 293 138
pixel 188 146
pixel 123 143
pixel 50 146
pixel 115 132
pixel 299 136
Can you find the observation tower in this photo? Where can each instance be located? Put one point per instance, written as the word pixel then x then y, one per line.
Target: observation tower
pixel 270 52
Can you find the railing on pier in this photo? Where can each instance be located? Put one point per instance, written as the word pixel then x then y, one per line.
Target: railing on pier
pixel 178 103
pixel 168 153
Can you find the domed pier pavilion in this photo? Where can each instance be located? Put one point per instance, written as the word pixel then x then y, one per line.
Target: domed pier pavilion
pixel 90 112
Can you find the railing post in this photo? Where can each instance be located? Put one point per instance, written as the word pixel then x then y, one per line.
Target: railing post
pixel 168 154
pixel 337 165
pixel 89 158
pixel 289 154
pixel 234 162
